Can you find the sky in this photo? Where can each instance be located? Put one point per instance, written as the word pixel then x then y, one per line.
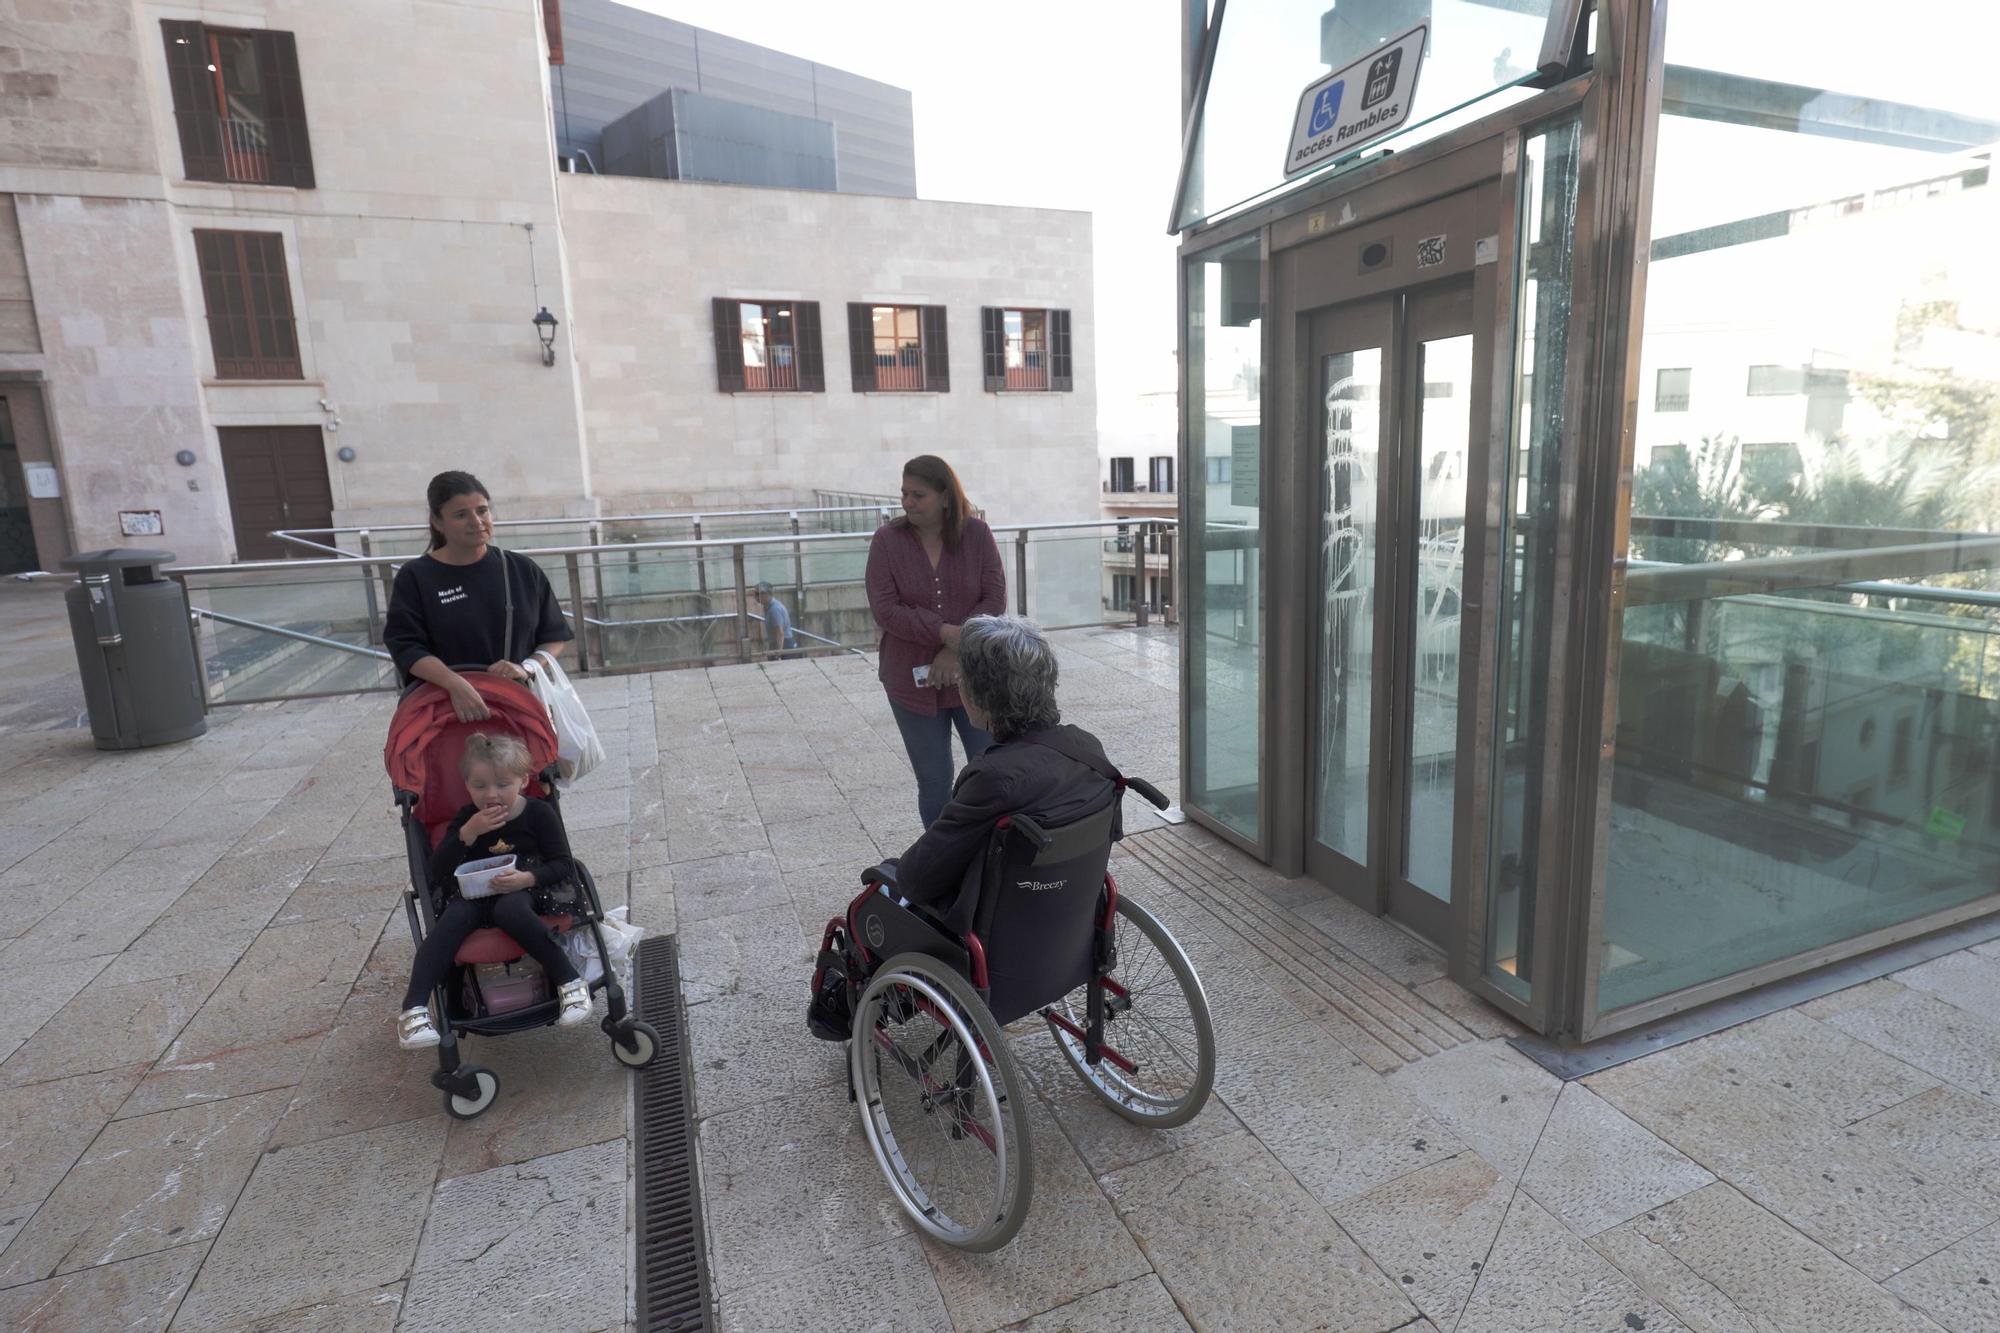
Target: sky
pixel 1038 104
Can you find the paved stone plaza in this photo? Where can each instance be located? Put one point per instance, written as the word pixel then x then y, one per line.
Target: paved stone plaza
pixel 205 1123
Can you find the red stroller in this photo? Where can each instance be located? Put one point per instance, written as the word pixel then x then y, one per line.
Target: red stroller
pixel 425 742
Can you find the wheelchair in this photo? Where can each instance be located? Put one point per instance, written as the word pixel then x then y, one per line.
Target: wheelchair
pixel 928 1010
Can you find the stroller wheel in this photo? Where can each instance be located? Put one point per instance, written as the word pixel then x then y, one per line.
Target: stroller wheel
pixel 486 1086
pixel 635 1043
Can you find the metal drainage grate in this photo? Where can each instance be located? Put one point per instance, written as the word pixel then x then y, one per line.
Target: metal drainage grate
pixel 673 1261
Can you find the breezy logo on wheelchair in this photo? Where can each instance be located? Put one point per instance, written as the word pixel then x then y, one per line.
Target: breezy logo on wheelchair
pixel 922 1009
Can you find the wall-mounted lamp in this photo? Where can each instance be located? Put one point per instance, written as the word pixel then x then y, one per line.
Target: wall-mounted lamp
pixel 185 457
pixel 545 328
pixel 346 454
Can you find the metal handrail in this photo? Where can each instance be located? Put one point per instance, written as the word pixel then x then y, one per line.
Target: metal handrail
pixel 285 633
pixel 719 615
pixel 587 519
pixel 630 548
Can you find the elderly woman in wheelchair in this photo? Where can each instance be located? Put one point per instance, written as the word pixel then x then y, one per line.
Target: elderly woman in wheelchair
pixel 1004 913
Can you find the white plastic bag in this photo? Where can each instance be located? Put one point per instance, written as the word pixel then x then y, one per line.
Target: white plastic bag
pixel 577 748
pixel 620 940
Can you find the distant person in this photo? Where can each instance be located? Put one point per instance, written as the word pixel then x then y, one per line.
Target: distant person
pixel 928 572
pixel 778 635
pixel 466 603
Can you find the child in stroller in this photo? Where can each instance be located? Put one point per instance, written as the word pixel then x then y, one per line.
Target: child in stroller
pixel 501 821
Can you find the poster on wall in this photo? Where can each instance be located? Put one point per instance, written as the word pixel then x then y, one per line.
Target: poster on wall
pixel 141 523
pixel 43 481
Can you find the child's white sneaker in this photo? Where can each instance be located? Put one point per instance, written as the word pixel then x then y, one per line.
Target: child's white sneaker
pixel 414 1029
pixel 575 999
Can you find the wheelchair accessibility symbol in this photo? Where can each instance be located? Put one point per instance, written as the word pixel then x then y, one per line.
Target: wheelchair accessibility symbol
pixel 1326 108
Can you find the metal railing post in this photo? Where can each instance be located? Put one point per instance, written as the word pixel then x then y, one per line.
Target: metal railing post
pixel 368 577
pixel 701 568
pixel 1139 566
pixel 194 637
pixel 596 531
pixel 742 605
pixel 1021 572
pixel 798 571
pixel 575 572
pixel 1172 540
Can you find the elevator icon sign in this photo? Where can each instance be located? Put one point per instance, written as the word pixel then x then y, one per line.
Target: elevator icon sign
pixel 1331 125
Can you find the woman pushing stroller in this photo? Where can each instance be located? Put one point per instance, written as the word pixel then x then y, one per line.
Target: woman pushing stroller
pixel 501 821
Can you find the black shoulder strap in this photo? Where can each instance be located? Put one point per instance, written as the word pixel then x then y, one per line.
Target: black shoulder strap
pixel 1058 740
pixel 507 582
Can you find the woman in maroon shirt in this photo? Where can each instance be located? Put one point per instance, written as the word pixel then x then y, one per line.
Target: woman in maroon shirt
pixel 929 571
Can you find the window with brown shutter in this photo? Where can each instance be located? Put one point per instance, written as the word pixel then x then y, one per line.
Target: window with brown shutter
pixel 238 104
pixel 768 346
pixel 249 302
pixel 898 348
pixel 1027 349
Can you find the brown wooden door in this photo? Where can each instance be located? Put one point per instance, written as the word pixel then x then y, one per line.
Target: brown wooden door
pixel 277 479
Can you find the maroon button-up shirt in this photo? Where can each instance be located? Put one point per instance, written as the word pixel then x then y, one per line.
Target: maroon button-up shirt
pixel 913 603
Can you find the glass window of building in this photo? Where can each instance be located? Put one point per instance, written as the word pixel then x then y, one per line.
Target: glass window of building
pixel 1223 623
pixel 898 348
pixel 1160 476
pixel 1808 696
pixel 1671 394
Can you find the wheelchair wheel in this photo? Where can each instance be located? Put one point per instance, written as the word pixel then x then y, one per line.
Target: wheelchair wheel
pixel 1161 1024
pixel 942 1103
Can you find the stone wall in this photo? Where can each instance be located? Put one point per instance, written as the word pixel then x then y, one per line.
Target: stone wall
pixel 68 74
pixel 647 258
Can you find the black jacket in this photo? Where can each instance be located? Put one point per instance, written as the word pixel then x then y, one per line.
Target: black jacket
pixel 1017 776
pixel 534 838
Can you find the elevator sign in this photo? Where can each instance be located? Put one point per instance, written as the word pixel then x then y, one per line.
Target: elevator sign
pixel 1362 102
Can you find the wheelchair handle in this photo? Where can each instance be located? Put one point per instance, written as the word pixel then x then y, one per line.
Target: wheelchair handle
pixel 1149 791
pixel 1036 834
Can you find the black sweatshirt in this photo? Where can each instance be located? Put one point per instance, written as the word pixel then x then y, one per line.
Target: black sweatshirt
pixel 534 838
pixel 456 613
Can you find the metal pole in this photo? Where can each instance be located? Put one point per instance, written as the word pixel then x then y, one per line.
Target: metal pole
pixel 742 605
pixel 1139 571
pixel 1170 540
pixel 1021 572
pixel 798 571
pixel 194 637
pixel 701 567
pixel 576 612
pixel 368 577
pixel 596 531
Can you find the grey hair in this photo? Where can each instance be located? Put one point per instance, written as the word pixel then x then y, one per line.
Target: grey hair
pixel 763 587
pixel 1008 668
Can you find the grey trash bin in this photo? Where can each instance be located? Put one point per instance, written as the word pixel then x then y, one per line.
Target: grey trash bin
pixel 133 649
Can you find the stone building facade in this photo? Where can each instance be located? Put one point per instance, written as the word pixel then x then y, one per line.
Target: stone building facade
pixel 193 353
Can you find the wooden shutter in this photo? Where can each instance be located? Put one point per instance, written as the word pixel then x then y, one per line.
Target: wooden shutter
pixel 861 345
pixel 194 101
pixel 249 300
pixel 728 345
pixel 1061 372
pixel 285 130
pixel 805 332
pixel 993 335
pixel 937 351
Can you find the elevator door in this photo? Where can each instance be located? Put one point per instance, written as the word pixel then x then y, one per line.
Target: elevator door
pixel 1390 381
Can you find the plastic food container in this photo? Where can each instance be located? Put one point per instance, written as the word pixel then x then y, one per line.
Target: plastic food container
pixel 475 878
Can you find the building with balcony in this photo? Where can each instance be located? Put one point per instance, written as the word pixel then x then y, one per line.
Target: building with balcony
pixel 242 290
pixel 1138 565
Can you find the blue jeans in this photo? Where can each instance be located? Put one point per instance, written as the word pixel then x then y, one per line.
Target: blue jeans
pixel 928 740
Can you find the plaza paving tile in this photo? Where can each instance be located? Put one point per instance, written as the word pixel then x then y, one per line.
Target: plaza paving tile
pixel 887 1288
pixel 319 1222
pixel 1431 1230
pixel 136 1296
pixel 1541 1276
pixel 1239 1244
pixel 539 1243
